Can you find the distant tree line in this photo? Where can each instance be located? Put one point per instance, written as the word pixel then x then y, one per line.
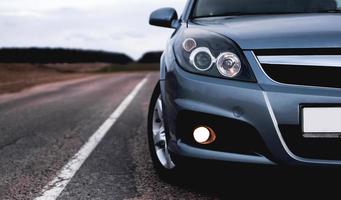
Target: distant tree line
pixel 150 57
pixel 61 55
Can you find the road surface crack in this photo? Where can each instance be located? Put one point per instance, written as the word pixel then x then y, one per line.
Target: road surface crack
pixel 13 142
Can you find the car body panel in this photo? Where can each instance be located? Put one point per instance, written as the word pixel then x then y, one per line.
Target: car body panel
pixel 270 31
pixel 254 102
pixel 265 104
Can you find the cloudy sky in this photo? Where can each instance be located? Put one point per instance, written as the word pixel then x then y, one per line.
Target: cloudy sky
pixel 113 25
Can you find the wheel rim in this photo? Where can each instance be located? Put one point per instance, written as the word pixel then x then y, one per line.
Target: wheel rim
pixel 159 136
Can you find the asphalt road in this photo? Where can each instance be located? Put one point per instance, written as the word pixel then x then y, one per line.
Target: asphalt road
pixel 41 129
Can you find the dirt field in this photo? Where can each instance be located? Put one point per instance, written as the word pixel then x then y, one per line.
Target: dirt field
pixel 78 67
pixel 16 77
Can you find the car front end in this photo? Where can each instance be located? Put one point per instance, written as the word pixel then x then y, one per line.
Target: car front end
pixel 255 89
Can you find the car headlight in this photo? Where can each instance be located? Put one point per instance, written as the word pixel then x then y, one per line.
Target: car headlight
pixel 228 64
pixel 202 59
pixel 211 54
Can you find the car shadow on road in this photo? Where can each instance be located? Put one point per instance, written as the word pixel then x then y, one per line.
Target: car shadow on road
pixel 223 181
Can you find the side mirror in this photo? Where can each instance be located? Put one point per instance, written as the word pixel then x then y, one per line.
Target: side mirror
pixel 164 17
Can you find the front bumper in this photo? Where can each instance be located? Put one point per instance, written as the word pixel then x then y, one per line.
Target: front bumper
pixel 266 106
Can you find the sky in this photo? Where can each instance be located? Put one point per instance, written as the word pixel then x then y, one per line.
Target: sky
pixel 110 25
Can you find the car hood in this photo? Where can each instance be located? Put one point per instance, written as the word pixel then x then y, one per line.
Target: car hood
pixel 277 31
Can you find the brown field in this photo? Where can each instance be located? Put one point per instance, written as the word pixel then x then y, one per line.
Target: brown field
pixel 78 67
pixel 16 77
pixel 131 67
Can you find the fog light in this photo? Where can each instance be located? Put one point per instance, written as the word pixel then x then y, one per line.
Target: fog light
pixel 204 135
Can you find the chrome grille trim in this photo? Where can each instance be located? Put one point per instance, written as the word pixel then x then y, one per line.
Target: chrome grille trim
pixel 304 60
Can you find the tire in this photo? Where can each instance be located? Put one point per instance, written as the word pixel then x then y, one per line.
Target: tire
pixel 158 145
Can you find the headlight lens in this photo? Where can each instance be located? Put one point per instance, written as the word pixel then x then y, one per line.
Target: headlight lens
pixel 202 59
pixel 189 44
pixel 210 54
pixel 229 64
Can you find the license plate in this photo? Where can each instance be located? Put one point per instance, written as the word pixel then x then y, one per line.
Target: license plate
pixel 322 120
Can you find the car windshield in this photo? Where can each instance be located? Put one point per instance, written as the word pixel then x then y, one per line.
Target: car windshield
pixel 207 8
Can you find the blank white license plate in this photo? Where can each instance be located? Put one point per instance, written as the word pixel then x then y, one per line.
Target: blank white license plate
pixel 322 120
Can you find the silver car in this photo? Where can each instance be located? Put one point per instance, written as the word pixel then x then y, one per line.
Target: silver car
pixel 255 82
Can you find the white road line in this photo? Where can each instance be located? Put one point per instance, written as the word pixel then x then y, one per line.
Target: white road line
pixel 53 189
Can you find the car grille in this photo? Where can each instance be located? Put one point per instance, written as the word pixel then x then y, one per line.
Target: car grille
pixel 321 67
pixel 313 148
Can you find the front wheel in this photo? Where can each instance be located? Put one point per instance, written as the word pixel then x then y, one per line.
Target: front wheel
pixel 157 136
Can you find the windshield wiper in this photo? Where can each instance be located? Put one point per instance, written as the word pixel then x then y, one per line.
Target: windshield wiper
pixel 334 11
pixel 268 13
pixel 338 10
pixel 245 14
